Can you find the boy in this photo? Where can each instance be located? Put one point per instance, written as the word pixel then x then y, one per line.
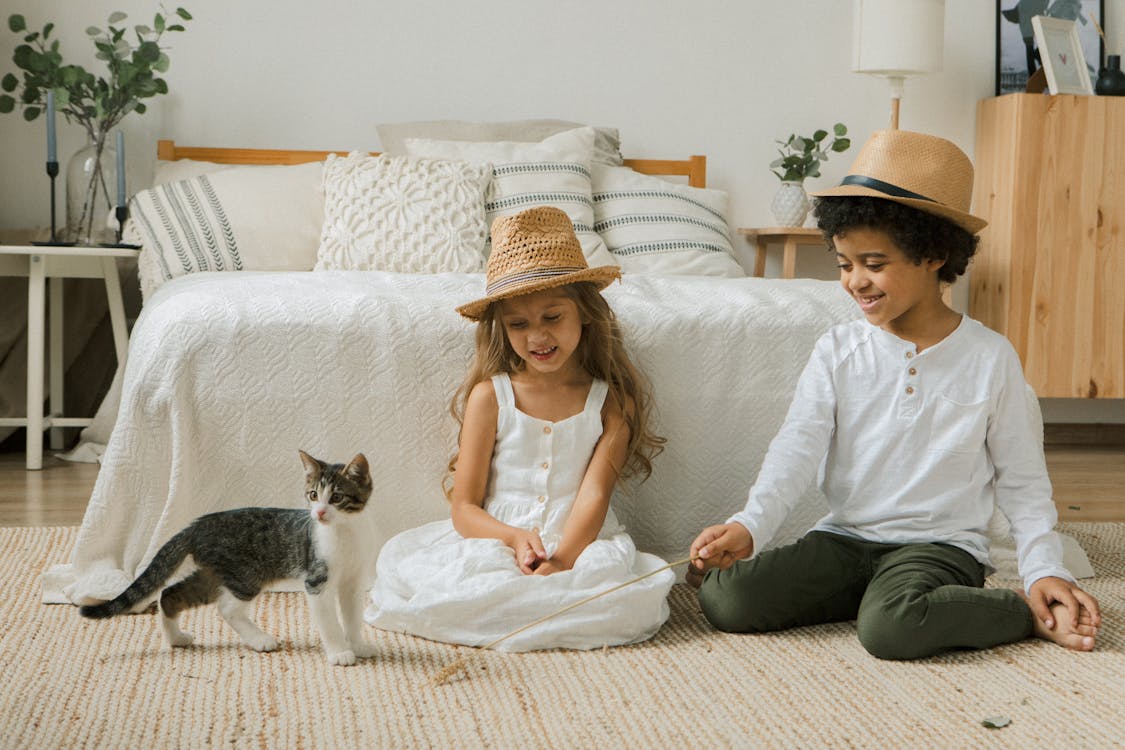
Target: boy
pixel 918 421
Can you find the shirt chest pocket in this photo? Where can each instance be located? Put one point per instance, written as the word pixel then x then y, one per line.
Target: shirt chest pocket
pixel 958 427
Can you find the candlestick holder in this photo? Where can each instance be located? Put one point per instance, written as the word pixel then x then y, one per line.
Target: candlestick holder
pixel 52 173
pixel 121 213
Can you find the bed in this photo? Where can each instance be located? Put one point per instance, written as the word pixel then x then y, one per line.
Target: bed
pixel 229 374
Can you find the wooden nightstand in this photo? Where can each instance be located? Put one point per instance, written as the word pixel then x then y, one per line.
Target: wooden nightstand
pixel 790 237
pixel 39 263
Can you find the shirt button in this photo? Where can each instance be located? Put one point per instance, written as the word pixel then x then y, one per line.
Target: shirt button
pixel 910 355
pixel 547 430
pixel 912 371
pixel 545 464
pixel 909 389
pixel 541 499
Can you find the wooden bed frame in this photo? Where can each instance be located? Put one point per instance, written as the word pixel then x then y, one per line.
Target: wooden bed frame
pixel 694 167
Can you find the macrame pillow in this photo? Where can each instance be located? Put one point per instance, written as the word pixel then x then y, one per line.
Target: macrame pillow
pixel 396 213
pixel 654 226
pixel 554 172
pixel 255 218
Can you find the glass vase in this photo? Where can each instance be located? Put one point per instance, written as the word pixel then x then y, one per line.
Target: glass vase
pixel 90 176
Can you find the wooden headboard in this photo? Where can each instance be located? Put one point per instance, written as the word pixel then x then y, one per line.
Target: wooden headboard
pixel 694 167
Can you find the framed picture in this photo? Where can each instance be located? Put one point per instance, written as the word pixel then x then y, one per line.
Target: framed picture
pixel 1017 52
pixel 1060 52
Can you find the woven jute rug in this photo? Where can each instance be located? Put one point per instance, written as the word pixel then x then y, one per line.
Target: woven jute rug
pixel 68 682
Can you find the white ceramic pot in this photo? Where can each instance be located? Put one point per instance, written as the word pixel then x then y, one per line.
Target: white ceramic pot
pixel 790 204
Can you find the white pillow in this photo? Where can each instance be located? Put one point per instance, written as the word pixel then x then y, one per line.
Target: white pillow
pixel 185 169
pixel 392 136
pixel 654 226
pixel 258 218
pixel 396 213
pixel 554 172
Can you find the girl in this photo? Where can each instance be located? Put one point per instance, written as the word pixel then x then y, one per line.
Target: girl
pixel 552 413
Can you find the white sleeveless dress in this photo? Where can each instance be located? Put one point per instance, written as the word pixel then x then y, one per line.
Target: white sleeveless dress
pixel 434 583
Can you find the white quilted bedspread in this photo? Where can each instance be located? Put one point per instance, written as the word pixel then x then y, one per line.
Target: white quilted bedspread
pixel 229 374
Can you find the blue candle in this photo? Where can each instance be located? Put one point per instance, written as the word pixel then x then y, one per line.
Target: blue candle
pixel 52 147
pixel 120 168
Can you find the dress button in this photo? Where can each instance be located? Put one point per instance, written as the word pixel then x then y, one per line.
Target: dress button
pixel 547 430
pixel 912 371
pixel 909 389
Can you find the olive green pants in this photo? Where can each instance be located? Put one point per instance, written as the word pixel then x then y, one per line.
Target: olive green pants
pixel 908 600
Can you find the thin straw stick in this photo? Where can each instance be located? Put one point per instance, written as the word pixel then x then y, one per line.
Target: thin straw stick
pixel 449 671
pixel 1097 26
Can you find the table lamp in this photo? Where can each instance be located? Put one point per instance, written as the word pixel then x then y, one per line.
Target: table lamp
pixel 894 39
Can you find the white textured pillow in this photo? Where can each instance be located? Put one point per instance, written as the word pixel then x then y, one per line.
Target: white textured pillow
pixel 397 213
pixel 258 218
pixel 654 226
pixel 554 172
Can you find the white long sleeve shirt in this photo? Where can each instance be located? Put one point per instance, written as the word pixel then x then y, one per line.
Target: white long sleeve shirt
pixel 913 446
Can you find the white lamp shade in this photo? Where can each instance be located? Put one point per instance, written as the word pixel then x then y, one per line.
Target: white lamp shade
pixel 897 38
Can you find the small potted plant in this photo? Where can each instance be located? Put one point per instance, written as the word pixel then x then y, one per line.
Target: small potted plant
pixel 800 158
pixel 134 62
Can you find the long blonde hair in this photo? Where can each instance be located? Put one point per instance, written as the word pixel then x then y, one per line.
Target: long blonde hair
pixel 600 352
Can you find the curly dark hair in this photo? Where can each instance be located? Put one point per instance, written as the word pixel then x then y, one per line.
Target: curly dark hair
pixel 921 236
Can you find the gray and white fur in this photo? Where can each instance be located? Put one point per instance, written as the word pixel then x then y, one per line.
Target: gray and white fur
pixel 237 553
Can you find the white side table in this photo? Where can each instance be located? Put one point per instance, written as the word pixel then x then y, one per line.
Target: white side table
pixel 39 263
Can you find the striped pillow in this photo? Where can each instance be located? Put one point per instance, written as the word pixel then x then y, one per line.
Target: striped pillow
pixel 654 226
pixel 553 172
pixel 255 218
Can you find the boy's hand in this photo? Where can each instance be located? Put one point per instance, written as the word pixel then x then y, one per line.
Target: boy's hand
pixel 719 546
pixel 1081 608
pixel 529 549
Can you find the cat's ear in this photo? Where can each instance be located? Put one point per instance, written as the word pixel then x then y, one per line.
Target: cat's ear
pixel 358 468
pixel 312 466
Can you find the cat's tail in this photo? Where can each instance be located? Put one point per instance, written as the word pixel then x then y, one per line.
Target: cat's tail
pixel 167 560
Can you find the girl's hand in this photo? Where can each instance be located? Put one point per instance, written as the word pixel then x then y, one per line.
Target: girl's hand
pixel 547 567
pixel 529 549
pixel 719 546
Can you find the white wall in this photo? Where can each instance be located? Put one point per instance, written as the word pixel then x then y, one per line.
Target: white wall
pixel 707 76
pixel 676 77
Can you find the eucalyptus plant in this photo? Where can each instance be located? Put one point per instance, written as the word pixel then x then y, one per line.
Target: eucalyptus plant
pixel 801 156
pixel 97 103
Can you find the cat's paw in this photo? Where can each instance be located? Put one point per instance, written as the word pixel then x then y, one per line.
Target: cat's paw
pixel 364 650
pixel 180 639
pixel 262 642
pixel 344 658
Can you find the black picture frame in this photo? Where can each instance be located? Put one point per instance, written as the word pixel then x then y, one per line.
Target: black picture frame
pixel 1014 54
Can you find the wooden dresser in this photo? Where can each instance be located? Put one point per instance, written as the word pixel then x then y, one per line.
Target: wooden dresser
pixel 1050 272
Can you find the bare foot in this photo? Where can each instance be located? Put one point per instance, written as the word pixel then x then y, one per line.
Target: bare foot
pixel 1075 637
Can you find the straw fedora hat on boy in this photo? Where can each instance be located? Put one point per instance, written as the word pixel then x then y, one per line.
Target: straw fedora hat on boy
pixel 534 250
pixel 917 170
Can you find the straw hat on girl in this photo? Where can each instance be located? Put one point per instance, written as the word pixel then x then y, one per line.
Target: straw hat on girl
pixel 923 171
pixel 534 250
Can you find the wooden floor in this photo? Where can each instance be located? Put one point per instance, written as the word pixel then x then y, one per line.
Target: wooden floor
pixel 1089 485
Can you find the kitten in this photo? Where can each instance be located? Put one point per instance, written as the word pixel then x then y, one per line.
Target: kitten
pixel 239 552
